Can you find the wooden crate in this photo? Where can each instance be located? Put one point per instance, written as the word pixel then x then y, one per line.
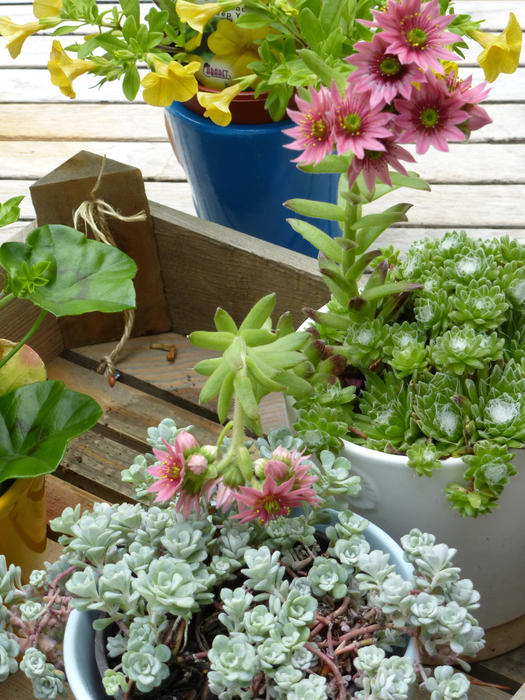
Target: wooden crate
pixel 202 266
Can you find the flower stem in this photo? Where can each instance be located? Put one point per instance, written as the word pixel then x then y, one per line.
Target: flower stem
pixel 6 299
pixel 24 340
pixel 332 666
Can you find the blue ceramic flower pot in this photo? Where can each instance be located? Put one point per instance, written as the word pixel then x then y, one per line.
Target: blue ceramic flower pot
pixel 241 175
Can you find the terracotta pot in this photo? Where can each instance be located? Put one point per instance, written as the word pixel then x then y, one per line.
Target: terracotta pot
pixel 23 523
pixel 245 108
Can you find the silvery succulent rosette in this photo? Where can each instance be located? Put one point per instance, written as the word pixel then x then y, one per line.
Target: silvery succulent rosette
pixel 263 608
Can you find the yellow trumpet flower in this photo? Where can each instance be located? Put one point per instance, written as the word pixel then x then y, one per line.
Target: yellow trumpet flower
pixel 47 8
pixel 197 16
pixel 64 69
pixel 217 104
pixel 501 53
pixel 235 46
pixel 169 82
pixel 16 34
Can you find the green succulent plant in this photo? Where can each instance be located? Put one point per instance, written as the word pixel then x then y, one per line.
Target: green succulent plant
pixel 438 367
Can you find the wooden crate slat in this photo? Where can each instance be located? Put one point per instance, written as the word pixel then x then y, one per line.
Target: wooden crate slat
pixel 60 494
pixel 17 318
pixel 128 412
pixel 220 262
pixel 94 463
pixel 511 665
pixel 59 193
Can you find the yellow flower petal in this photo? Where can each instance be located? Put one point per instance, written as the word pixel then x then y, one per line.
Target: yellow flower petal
pixel 64 69
pixel 47 8
pixel 197 16
pixel 16 34
pixel 194 43
pixel 217 104
pixel 235 46
pixel 169 82
pixel 501 53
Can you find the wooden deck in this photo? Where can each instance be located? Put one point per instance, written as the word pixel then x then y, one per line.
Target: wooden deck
pixel 479 187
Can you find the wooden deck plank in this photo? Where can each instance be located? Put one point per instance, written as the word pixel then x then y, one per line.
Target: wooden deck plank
pixel 34 84
pixel 33 159
pixel 462 164
pixel 35 53
pixel 142 123
pixel 494 14
pixel 489 205
pixel 75 122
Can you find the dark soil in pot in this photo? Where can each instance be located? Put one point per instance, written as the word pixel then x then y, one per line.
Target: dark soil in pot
pixel 187 680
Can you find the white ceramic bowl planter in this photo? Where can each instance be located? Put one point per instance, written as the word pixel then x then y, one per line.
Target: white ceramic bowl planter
pixel 79 640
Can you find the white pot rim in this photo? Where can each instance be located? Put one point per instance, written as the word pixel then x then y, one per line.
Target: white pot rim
pixel 393 460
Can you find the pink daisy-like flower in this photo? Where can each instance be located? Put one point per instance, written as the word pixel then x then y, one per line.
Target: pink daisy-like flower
pixel 471 95
pixel 415 32
pixel 381 73
pixel 357 125
pixel 431 116
pixel 171 466
pixel 272 501
pixel 313 133
pixel 375 164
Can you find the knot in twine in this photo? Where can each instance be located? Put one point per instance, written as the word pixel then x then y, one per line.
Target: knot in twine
pixel 94 213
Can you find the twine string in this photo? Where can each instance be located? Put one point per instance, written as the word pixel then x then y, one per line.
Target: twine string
pixel 93 214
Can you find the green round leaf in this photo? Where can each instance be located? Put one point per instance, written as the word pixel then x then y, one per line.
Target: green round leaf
pixel 36 423
pixel 89 276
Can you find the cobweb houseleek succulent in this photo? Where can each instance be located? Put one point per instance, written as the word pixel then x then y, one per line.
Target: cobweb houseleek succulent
pixel 438 372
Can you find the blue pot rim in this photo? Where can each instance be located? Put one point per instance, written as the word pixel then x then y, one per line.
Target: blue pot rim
pixel 178 111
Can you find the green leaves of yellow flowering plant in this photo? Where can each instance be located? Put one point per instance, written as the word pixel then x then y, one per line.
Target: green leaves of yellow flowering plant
pixel 439 366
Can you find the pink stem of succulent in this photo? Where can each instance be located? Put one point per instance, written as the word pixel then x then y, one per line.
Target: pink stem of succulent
pixel 332 666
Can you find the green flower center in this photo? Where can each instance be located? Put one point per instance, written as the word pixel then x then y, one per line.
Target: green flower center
pixel 272 505
pixel 390 65
pixel 318 129
pixel 170 469
pixel 352 123
pixel 417 37
pixel 429 117
pixel 374 155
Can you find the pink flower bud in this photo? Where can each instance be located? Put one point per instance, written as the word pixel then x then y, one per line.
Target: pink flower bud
pixel 185 441
pixel 281 453
pixel 198 464
pixel 277 470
